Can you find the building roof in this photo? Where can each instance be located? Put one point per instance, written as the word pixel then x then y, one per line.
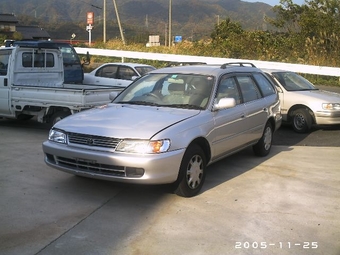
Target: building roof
pixel 8 18
pixel 32 32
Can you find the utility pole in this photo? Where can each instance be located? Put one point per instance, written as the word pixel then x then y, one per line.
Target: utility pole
pixel 170 14
pixel 104 21
pixel 118 20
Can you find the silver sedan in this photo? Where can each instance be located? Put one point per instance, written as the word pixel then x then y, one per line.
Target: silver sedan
pixel 302 104
pixel 116 74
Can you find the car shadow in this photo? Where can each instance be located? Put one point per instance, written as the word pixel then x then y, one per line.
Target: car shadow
pixel 235 165
pixel 318 136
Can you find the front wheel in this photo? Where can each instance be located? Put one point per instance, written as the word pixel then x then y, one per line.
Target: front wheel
pixel 302 121
pixel 263 146
pixel 191 173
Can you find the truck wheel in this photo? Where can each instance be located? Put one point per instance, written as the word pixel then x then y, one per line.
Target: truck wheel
pixel 191 173
pixel 24 117
pixel 263 146
pixel 302 120
pixel 57 116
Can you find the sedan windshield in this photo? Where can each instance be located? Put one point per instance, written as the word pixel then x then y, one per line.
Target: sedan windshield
pixel 293 82
pixel 188 91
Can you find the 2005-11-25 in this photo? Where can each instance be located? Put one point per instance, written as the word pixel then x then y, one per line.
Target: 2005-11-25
pixel 281 245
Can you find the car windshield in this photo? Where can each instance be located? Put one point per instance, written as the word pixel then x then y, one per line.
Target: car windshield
pixel 293 82
pixel 144 69
pixel 189 91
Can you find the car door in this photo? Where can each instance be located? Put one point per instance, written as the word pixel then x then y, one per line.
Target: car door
pixel 4 86
pixel 230 131
pixel 255 104
pixel 106 75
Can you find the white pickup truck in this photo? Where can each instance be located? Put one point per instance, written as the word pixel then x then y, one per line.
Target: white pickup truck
pixel 32 85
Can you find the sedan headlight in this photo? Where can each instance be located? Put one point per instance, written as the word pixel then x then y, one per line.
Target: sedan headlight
pixel 57 136
pixel 330 106
pixel 143 146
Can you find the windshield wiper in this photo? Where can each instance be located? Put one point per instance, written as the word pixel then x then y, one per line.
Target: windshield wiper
pixel 138 103
pixel 185 106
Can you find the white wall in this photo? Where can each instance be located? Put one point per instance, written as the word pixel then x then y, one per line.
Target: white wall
pixel 321 70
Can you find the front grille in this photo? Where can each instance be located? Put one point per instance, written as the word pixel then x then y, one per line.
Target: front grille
pixel 93 140
pixel 90 166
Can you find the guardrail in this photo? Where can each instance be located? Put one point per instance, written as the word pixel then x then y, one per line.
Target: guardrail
pixel 309 69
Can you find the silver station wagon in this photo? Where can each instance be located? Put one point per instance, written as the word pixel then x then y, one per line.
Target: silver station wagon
pixel 168 126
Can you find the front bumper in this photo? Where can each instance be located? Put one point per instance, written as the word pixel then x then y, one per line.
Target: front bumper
pixel 160 168
pixel 327 117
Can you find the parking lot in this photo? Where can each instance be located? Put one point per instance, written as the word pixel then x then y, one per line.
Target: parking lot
pixel 287 203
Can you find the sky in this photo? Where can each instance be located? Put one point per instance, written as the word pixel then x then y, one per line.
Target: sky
pixel 275 2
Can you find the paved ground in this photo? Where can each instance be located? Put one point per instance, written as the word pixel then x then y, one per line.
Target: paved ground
pixel 288 203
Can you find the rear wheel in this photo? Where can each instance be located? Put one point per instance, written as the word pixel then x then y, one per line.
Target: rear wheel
pixel 191 173
pixel 24 117
pixel 263 146
pixel 302 120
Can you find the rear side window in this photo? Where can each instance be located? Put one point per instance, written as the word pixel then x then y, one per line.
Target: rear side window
pixel 248 88
pixel 265 86
pixel 37 59
pixel 109 71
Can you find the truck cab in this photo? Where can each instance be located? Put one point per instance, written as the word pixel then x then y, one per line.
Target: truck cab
pixel 32 84
pixel 73 68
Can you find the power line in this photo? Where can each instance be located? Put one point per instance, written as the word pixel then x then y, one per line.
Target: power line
pixel 93 5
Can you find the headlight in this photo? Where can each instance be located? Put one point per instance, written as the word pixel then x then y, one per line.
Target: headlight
pixel 143 146
pixel 57 136
pixel 330 106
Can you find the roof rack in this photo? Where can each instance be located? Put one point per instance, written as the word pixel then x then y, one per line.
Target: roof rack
pixel 185 63
pixel 36 44
pixel 224 66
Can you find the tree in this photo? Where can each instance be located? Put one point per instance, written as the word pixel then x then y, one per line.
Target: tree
pixel 311 27
pixel 226 37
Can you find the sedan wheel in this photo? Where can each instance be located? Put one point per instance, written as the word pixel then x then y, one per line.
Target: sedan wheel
pixel 302 121
pixel 192 172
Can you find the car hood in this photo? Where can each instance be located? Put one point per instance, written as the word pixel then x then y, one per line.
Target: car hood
pixel 124 121
pixel 322 95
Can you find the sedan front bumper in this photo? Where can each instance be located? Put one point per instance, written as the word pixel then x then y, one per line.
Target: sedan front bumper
pixel 327 117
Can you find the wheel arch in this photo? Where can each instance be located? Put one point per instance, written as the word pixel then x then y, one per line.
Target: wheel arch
pixel 299 106
pixel 54 109
pixel 271 120
pixel 204 144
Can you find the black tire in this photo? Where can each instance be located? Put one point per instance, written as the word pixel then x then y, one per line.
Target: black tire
pixel 301 120
pixel 24 117
pixel 263 146
pixel 191 173
pixel 57 116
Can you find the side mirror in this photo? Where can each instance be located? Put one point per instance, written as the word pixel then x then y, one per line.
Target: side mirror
pixel 224 103
pixel 87 59
pixel 279 89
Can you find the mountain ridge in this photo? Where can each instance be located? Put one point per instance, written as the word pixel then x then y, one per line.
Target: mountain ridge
pixel 191 18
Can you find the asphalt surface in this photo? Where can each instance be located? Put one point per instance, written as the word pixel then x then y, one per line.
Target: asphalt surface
pixel 286 203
